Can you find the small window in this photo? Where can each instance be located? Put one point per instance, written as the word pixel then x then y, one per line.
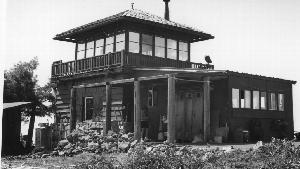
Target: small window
pixel 255 99
pixel 120 42
pixel 183 51
pixel 80 50
pixel 90 49
pixel 134 39
pixel 89 108
pixel 245 99
pixel 263 100
pixel 281 102
pixel 109 46
pixel 99 47
pixel 146 44
pixel 235 98
pixel 172 49
pixel 272 101
pixel 160 47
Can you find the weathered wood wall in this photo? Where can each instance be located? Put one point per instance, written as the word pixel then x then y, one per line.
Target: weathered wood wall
pixel 245 118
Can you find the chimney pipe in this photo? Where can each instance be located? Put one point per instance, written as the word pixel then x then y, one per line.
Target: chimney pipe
pixel 167 17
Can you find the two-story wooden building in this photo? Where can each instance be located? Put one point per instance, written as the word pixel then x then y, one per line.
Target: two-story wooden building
pixel 132 60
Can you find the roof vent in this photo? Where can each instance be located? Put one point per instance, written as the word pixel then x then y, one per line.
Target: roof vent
pixel 167 17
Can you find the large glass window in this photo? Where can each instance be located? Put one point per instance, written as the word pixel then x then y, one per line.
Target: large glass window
pixel 172 49
pixel 109 46
pixel 281 102
pixel 255 99
pixel 99 47
pixel 263 100
pixel 245 99
pixel 134 39
pixel 90 49
pixel 183 51
pixel 80 50
pixel 120 42
pixel 272 101
pixel 147 44
pixel 235 98
pixel 160 47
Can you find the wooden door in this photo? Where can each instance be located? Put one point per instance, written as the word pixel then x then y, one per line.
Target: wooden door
pixel 189 115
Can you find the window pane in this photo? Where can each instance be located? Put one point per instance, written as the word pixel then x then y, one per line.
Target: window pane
pixel 120 46
pixel 99 42
pixel 281 102
pixel 89 107
pixel 81 46
pixel 255 100
pixel 172 44
pixel 159 41
pixel 172 54
pixel 147 49
pixel 90 52
pixel 99 51
pixel 134 47
pixel 109 48
pixel 110 40
pixel 272 99
pixel 90 45
pixel 146 39
pixel 263 100
pixel 134 37
pixel 183 46
pixel 120 37
pixel 160 52
pixel 235 98
pixel 247 99
pixel 80 54
pixel 183 56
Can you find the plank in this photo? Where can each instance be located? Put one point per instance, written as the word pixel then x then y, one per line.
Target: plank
pixel 171 109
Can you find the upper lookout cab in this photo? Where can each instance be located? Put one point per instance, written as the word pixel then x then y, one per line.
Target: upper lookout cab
pixel 132 38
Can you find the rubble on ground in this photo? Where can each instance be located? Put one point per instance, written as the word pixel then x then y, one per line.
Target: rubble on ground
pixel 86 140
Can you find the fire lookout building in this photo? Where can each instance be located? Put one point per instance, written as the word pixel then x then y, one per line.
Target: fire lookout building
pixel 135 60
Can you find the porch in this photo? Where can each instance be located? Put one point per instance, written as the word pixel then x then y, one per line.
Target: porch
pixel 119 59
pixel 184 103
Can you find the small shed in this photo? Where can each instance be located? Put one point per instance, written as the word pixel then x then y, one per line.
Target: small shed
pixel 11 127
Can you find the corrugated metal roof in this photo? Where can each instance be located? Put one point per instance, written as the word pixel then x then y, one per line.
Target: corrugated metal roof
pixel 132 13
pixel 14 104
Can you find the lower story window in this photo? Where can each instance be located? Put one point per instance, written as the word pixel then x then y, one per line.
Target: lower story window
pixel 281 102
pixel 235 98
pixel 272 101
pixel 263 100
pixel 88 108
pixel 245 99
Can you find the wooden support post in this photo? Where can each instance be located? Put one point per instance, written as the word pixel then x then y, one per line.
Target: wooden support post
pixel 107 126
pixel 206 93
pixel 137 110
pixel 73 110
pixel 171 109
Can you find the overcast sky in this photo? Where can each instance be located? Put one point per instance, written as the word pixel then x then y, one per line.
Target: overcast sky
pixel 253 36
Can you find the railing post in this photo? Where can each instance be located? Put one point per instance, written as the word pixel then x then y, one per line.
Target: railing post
pixel 122 58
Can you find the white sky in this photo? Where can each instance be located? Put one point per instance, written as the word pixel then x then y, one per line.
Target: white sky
pixel 253 36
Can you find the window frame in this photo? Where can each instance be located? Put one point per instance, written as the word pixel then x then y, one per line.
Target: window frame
pixel 85 107
pixel 269 97
pixel 278 101
pixel 238 99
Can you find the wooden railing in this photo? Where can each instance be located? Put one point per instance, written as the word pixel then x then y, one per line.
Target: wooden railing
pixel 119 59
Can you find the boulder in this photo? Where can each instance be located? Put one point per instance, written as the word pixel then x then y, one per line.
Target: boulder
pixel 68 146
pixel 63 143
pixel 124 146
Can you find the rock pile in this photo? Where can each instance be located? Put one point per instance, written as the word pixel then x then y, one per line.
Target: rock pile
pixel 91 141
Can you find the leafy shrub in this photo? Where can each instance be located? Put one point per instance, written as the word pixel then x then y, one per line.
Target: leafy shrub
pixel 276 154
